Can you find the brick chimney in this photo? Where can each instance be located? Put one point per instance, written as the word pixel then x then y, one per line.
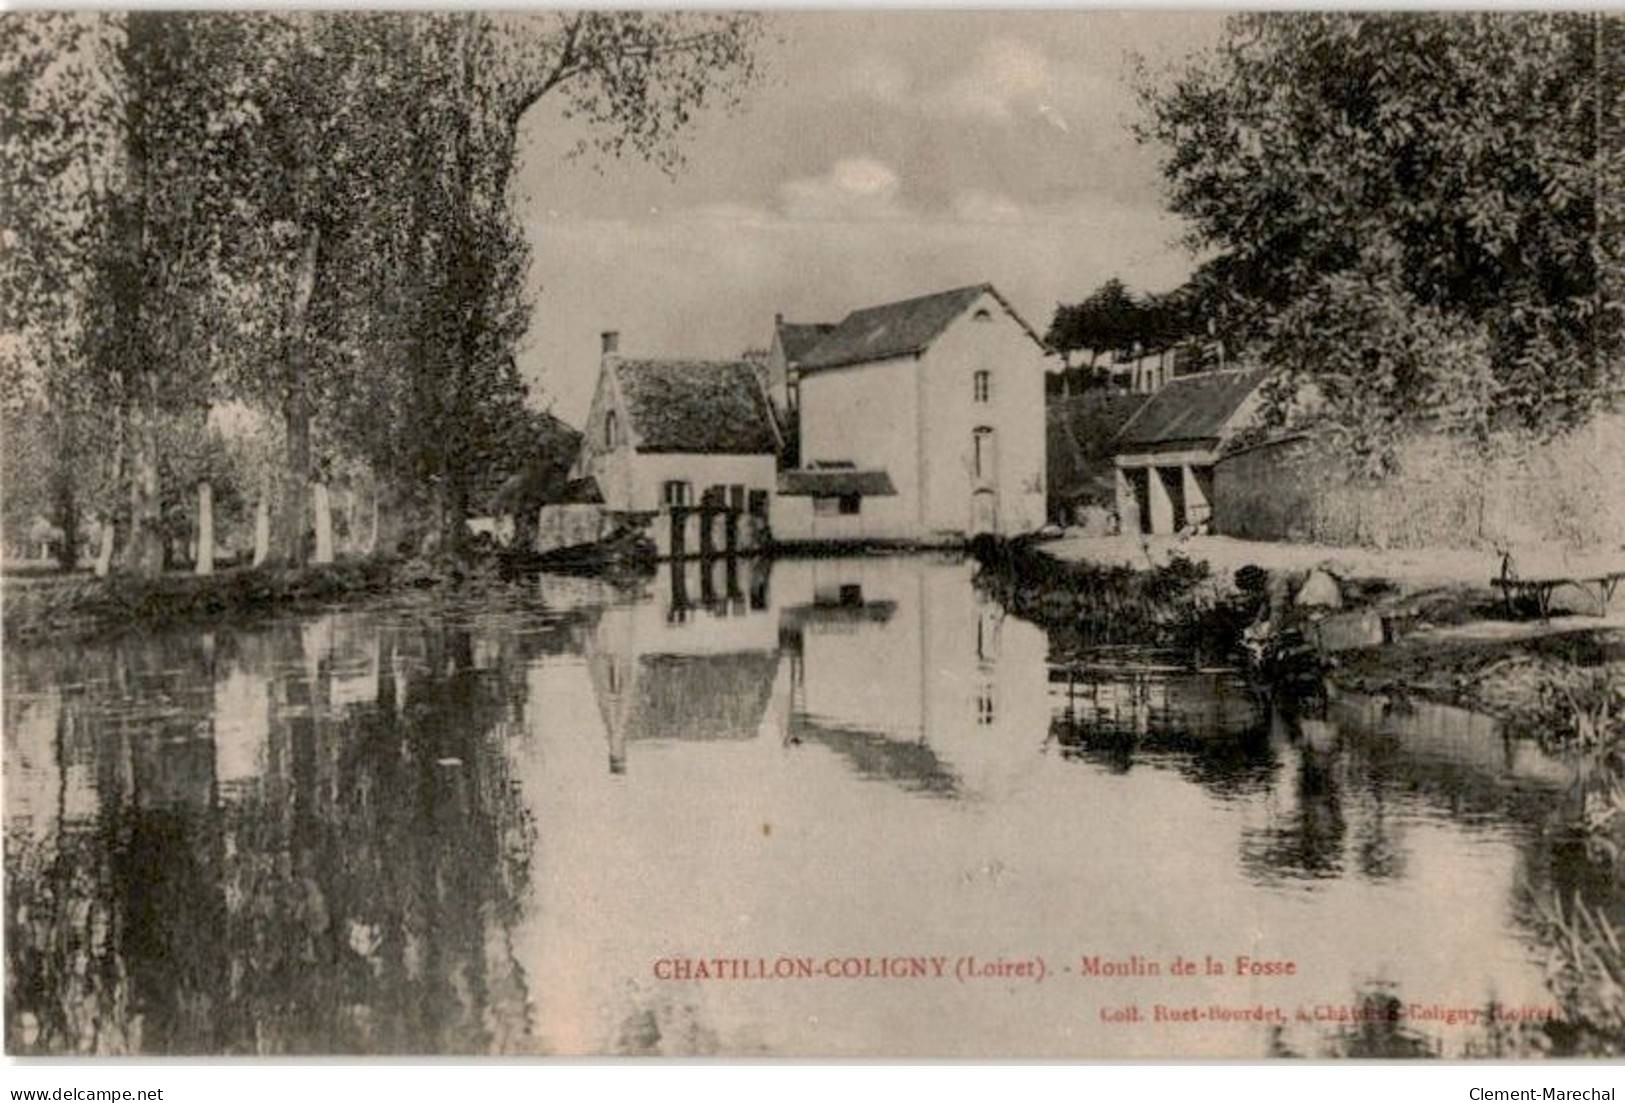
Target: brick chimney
pixel 611 339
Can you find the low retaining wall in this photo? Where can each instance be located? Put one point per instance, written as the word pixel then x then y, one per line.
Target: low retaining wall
pixel 1446 492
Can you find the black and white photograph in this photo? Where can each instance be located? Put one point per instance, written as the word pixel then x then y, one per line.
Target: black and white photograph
pixel 855 535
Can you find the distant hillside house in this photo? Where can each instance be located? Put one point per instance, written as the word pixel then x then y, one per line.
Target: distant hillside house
pixel 920 420
pixel 1165 453
pixel 683 448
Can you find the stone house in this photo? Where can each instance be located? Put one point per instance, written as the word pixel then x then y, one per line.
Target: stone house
pixel 919 421
pixel 684 449
pixel 1165 453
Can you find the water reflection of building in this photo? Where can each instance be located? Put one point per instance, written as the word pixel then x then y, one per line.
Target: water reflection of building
pixel 696 663
pixel 898 665
pixel 904 668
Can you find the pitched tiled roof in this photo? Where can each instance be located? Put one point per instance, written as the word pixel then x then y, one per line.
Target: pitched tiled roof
pixel 1190 408
pixel 896 329
pixel 797 338
pixel 833 483
pixel 705 406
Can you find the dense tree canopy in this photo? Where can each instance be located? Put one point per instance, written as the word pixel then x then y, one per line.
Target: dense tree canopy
pixel 1417 212
pixel 308 215
pixel 1114 321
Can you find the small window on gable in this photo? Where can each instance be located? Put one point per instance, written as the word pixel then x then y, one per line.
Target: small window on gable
pixel 982 385
pixel 982 315
pixel 612 430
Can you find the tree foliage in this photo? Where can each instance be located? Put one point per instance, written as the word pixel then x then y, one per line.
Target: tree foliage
pixel 310 214
pixel 1113 320
pixel 1416 212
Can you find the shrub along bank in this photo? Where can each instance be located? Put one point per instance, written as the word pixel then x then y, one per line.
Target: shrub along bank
pixel 76 604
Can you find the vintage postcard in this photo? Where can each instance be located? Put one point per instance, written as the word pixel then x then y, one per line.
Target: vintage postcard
pixel 855 534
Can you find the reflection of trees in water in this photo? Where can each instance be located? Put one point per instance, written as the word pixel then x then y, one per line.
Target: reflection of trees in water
pixel 1340 818
pixel 660 1026
pixel 356 896
pixel 1308 841
pixel 1380 1028
pixel 1378 1032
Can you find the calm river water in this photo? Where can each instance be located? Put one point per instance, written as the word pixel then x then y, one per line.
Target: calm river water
pixel 747 811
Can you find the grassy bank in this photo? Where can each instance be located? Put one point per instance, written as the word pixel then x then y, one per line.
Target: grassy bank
pixel 1177 605
pixel 74 605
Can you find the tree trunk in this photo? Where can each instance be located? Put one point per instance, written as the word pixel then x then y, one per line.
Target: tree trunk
pixel 352 502
pixel 144 548
pixel 290 513
pixel 67 519
pixel 454 537
pixel 205 528
pixel 324 522
pixel 470 284
pixel 371 546
pixel 292 509
pixel 144 552
pixel 262 527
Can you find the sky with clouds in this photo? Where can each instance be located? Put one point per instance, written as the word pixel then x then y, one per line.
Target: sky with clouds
pixel 886 155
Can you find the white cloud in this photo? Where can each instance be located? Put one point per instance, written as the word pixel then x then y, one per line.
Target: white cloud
pixel 974 205
pixel 873 76
pixel 1009 77
pixel 1007 80
pixel 854 188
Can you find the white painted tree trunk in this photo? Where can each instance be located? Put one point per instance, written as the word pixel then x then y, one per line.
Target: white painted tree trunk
pixel 104 554
pixel 262 529
pixel 323 506
pixel 377 512
pixel 205 528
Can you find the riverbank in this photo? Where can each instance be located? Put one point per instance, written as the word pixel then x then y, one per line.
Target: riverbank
pixel 1441 631
pixel 1179 605
pixel 74 605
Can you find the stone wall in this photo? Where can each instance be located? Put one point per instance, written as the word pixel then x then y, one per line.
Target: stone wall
pixel 1446 492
